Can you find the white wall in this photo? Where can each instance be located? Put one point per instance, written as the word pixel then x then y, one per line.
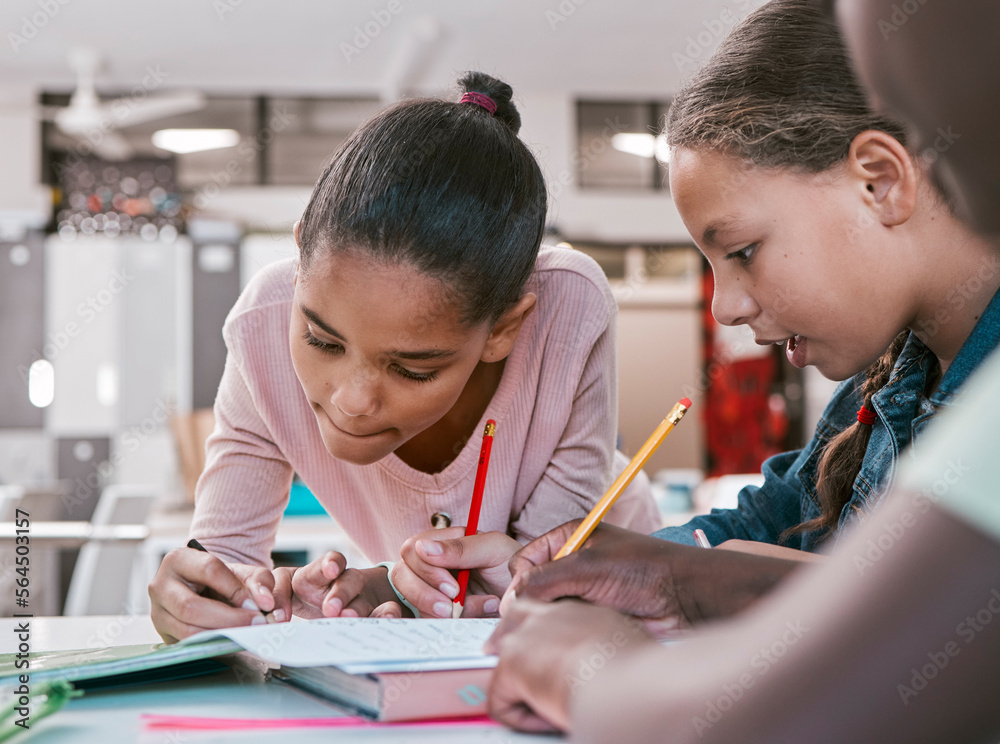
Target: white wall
pixel 550 130
pixel 621 216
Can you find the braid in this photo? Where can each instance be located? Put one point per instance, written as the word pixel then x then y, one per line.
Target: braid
pixel 842 456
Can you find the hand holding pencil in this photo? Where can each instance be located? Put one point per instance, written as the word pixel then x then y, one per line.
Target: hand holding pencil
pixel 537 572
pixel 437 565
pixel 477 503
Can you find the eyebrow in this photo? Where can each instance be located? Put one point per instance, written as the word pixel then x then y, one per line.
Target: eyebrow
pixel 425 354
pixel 711 234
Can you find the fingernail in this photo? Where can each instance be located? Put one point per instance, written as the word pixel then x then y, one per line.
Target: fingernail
pixel 442 609
pixel 262 591
pixel 491 605
pixel 430 547
pixel 258 620
pixel 279 616
pixel 348 613
pixel 449 590
pixel 335 606
pixel 249 604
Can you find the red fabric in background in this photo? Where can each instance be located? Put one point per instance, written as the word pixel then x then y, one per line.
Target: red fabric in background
pixel 745 421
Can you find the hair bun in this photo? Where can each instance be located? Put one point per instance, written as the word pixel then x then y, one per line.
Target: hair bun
pixel 499 91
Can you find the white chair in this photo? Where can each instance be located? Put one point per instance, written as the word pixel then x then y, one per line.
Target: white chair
pixel 105 581
pixel 41 504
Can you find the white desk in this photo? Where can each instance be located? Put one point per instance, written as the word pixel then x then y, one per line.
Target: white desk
pixel 75 534
pixel 114 716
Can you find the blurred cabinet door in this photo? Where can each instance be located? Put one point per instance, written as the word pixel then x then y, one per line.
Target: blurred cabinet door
pixel 84 287
pixel 659 361
pixel 22 328
pixel 148 332
pixel 215 287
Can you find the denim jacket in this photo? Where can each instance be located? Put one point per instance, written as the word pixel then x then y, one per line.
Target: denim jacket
pixel 788 496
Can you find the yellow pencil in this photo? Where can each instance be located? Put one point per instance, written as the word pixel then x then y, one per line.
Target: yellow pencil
pixel 603 506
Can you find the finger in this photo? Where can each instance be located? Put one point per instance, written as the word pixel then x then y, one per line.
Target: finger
pixel 282 611
pixel 571 576
pixel 181 612
pixel 542 549
pixel 206 573
pixel 429 601
pixel 358 607
pixel 663 628
pixel 333 564
pixel 434 574
pixel 261 585
pixel 415 574
pixel 506 702
pixel 388 609
pixel 508 597
pixel 317 575
pixel 429 585
pixel 517 715
pixel 485 549
pixel 173 629
pixel 515 615
pixel 481 605
pixel 344 591
pixel 310 583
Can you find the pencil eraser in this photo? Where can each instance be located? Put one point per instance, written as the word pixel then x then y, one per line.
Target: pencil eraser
pixel 686 402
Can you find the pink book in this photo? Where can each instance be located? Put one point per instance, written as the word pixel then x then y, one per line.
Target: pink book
pixel 396 696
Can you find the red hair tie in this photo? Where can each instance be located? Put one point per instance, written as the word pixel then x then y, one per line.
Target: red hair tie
pixel 866 416
pixel 481 99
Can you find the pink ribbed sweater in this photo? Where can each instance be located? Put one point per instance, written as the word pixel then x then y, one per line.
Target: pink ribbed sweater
pixel 553 457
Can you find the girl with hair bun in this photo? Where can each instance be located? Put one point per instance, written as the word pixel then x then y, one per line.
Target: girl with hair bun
pixel 419 307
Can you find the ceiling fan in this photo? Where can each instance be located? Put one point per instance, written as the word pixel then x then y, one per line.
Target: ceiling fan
pixel 96 123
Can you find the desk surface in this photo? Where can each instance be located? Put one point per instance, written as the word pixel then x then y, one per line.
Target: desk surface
pixel 114 716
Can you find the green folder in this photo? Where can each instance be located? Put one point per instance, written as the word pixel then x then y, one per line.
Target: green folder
pixel 118 665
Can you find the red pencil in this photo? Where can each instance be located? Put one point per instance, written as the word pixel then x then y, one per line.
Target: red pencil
pixel 477 502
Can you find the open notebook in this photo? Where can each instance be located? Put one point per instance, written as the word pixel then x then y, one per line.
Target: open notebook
pixel 387 669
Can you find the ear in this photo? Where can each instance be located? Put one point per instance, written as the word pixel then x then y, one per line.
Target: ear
pixel 505 331
pixel 885 175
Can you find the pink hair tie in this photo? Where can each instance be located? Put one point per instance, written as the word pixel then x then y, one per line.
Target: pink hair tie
pixel 481 99
pixel 866 416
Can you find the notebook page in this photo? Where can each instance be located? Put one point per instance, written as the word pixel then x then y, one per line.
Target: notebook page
pixel 367 644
